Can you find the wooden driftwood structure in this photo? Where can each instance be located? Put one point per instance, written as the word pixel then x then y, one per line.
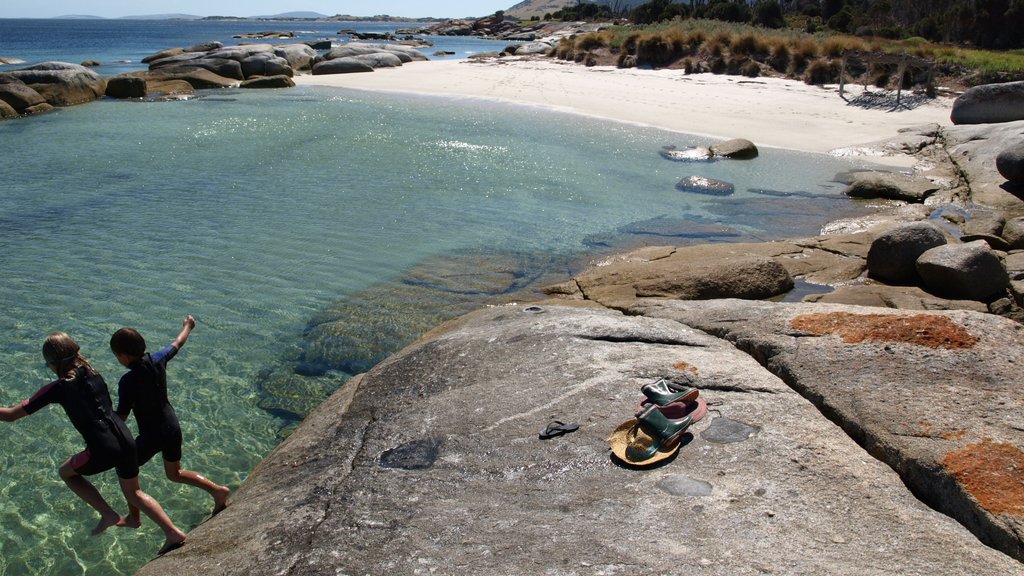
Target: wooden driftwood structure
pixel 903 62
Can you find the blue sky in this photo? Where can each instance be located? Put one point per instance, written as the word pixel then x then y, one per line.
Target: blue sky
pixel 118 8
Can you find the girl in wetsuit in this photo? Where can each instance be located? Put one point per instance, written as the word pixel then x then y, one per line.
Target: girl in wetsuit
pixel 83 394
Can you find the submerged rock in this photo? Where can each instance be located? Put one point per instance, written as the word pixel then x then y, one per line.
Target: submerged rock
pixel 738 149
pixel 705 185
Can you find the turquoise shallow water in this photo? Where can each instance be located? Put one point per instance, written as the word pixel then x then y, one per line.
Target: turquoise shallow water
pixel 254 211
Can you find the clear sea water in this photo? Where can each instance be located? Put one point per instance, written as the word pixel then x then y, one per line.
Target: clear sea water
pixel 257 210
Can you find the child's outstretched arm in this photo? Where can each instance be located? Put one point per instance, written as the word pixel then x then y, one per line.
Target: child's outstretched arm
pixel 186 328
pixel 12 414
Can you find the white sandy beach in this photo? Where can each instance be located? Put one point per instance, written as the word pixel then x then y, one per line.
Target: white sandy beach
pixel 768 111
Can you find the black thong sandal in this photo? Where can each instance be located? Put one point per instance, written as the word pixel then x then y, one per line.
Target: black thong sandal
pixel 557 428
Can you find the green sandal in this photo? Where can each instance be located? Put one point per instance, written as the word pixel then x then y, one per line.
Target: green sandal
pixel 664 431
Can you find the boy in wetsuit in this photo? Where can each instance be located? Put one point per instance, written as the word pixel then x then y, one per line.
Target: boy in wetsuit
pixel 83 394
pixel 144 389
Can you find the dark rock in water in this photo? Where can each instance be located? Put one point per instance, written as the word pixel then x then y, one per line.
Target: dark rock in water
pixel 362 330
pixel 728 431
pixel 696 154
pixel 737 149
pixel 668 227
pixel 989 104
pixel 415 455
pixel 1010 163
pixel 785 194
pixel 278 81
pixel 91 63
pixel 893 254
pixel 290 396
pixel 126 87
pixel 705 185
pixel 319 44
pixel 444 53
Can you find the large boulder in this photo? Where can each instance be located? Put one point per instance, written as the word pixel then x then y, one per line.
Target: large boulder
pixel 690 273
pixel 434 455
pixel 62 83
pixel 379 60
pixel 1013 233
pixel 164 54
pixel 989 104
pixel 738 148
pixel 266 64
pixel 17 94
pixel 278 81
pixel 405 53
pixel 890 185
pixel 126 87
pixel 298 56
pixel 6 111
pixel 1010 163
pixel 198 78
pixel 969 271
pixel 894 253
pixel 341 66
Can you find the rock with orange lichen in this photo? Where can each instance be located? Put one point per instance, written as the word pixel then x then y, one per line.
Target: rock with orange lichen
pixel 938 396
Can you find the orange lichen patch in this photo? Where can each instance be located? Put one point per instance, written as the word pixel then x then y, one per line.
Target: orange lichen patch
pixel 992 472
pixel 684 367
pixel 928 430
pixel 922 329
pixel 954 435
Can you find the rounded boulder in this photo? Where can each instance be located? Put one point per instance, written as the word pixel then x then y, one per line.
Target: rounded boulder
pixel 1010 163
pixel 737 148
pixel 62 83
pixel 989 104
pixel 893 255
pixel 970 271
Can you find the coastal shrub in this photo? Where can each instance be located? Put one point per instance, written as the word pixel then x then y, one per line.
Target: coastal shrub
pixel 835 46
pixel 821 71
pixel 779 60
pixel 626 60
pixel 750 69
pixel 593 41
pixel 655 50
pixel 590 59
pixel 688 66
pixel 749 45
pixel 712 47
pixel 718 65
pixel 566 49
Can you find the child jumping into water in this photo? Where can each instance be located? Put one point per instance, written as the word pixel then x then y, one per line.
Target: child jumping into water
pixel 83 394
pixel 144 389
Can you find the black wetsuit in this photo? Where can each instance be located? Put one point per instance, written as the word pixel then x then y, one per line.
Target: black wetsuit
pixel 86 400
pixel 144 389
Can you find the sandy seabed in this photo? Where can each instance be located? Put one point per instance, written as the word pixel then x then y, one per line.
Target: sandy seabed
pixel 771 112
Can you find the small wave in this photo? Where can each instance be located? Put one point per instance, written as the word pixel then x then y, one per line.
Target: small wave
pixel 459 145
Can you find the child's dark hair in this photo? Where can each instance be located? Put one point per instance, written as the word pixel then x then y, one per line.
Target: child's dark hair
pixel 129 342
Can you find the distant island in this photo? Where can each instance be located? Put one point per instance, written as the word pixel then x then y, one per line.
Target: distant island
pixel 287 16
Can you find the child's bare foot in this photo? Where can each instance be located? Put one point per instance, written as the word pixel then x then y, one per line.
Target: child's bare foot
pixel 128 521
pixel 220 500
pixel 172 543
pixel 106 522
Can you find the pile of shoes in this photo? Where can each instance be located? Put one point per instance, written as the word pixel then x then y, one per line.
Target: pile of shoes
pixel 660 426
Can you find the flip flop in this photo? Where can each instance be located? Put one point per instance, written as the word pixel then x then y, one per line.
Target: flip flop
pixel 557 428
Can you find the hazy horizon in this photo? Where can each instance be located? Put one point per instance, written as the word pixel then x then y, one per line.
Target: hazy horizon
pixel 249 8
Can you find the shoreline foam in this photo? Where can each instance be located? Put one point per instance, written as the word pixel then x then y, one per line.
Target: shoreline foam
pixel 772 112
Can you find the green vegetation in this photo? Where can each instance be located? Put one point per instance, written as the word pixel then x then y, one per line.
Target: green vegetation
pixel 720 46
pixel 995 24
